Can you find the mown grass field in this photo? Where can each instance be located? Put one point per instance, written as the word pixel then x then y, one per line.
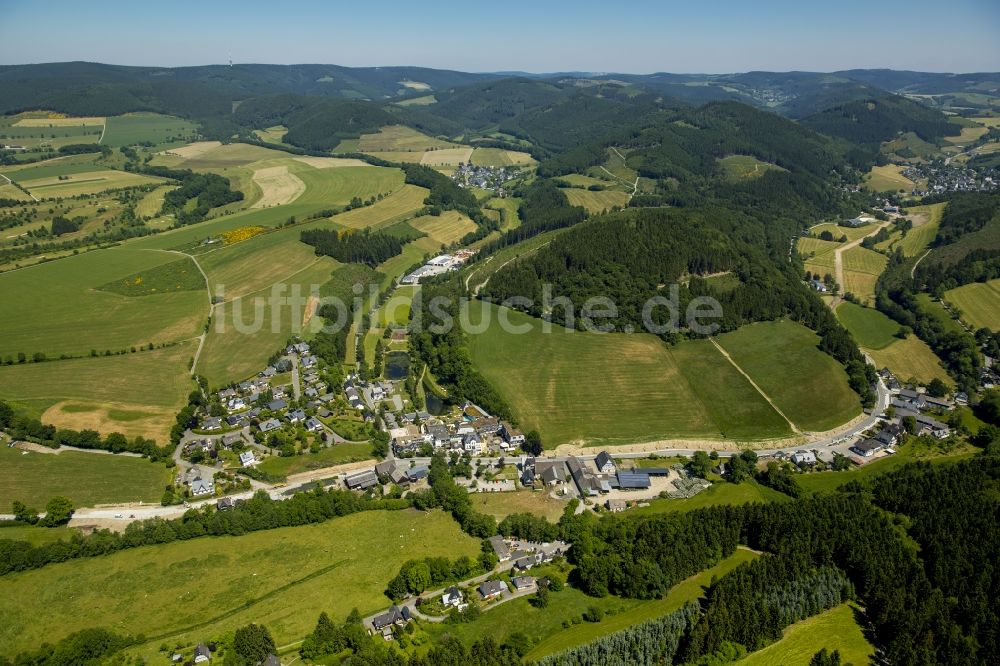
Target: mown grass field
pixel 36 535
pixel 398 206
pixel 185 591
pixel 596 202
pixel 835 629
pixel 979 303
pixel 808 386
pixel 688 590
pixel 396 309
pixel 399 138
pixel 33 136
pixel 871 328
pixel 447 228
pixel 135 394
pixel 334 455
pixel 152 203
pixel 501 505
pixel 57 307
pixel 498 157
pixel 888 178
pixel 911 359
pixel 59 166
pixel 862 268
pixel 720 494
pixel 245 332
pixel 88 182
pixel 745 167
pixel 85 478
pixel 616 388
pixel 919 238
pixel 135 128
pixel 818 254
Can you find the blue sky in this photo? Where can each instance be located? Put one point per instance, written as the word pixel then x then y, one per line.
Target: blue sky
pixel 540 36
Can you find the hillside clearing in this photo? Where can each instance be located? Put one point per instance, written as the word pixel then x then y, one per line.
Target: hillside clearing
pixel 979 303
pixel 277 185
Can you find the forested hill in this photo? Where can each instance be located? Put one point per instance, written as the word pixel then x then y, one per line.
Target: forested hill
pixel 879 118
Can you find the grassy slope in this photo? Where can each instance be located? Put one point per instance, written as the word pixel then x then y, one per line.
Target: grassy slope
pixel 688 590
pixel 55 307
pixel 171 589
pixel 335 455
pixel 613 388
pixel 808 386
pixel 871 328
pixel 835 629
pixel 85 478
pixel 719 494
pixel 979 303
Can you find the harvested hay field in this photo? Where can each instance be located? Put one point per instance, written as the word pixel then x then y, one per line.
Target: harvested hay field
pixel 89 121
pixel 596 202
pixel 278 186
pixel 446 156
pixel 910 359
pixel 88 182
pixel 397 206
pixel 329 162
pixel 193 150
pixel 979 303
pixel 446 228
pixel 129 419
pixel 399 138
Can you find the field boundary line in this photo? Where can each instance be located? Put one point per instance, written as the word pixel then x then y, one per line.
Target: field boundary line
pixel 211 305
pixel 764 395
pixel 37 200
pixel 104 128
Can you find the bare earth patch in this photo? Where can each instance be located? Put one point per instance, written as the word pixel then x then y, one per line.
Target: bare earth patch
pixel 128 419
pixel 278 186
pixel 193 149
pixel 329 162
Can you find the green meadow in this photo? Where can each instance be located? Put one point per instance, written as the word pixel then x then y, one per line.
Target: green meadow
pixel 184 591
pixel 835 629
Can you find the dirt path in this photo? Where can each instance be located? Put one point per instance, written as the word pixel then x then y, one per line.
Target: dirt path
pixel 211 305
pixel 838 262
pixel 729 358
pixel 913 270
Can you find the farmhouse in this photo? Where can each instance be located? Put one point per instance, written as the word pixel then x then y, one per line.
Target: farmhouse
pixel 932 427
pixel 604 463
pixel 202 654
pixel 551 472
pixel 492 589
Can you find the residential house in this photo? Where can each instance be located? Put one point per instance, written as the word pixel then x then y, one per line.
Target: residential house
pixel 201 487
pixel 247 459
pixel 616 506
pixel 500 548
pixel 803 458
pixel 277 405
pixel 452 597
pixel 313 424
pixel 296 416
pixel 889 435
pixel 510 434
pixel 231 439
pixel 930 402
pixel 604 463
pixel 418 472
pixel 928 426
pixel 524 563
pixel 202 654
pixel 818 285
pixel 224 504
pixel 522 583
pixel 551 472
pixel 492 589
pixel 472 443
pixel 962 398
pixel 395 615
pixel 212 423
pixel 269 425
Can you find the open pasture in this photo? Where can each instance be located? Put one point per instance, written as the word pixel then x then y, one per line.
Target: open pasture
pixel 979 303
pixel 851 233
pixel 926 220
pixel 808 386
pixel 187 590
pixel 85 478
pixel 155 128
pixel 135 394
pixel 871 328
pixel 88 121
pixel 498 157
pixel 35 136
pixel 446 228
pixel 212 156
pixel 53 168
pixel 333 187
pixel 275 134
pixel 58 307
pixel 151 204
pixel 617 388
pixel 596 202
